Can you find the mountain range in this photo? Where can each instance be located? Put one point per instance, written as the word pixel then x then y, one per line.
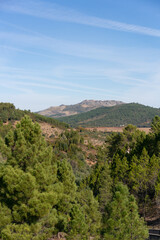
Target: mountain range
pixel 115 116
pixel 84 106
pixel 109 114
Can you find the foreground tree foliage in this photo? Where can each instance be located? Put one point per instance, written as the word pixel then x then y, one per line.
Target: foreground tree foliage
pixel 38 195
pixel 41 195
pixel 134 160
pixel 123 221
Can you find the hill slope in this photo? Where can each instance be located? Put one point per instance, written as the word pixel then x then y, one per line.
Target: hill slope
pixel 8 113
pixel 115 116
pixel 84 106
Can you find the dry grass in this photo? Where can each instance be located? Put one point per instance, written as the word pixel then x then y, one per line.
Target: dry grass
pixel 114 129
pixel 48 130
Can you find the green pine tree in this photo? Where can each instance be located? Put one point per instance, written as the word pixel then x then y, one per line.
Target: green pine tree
pixel 123 221
pixel 29 187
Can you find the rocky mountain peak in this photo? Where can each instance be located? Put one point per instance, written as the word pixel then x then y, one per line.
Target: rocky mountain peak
pixel 84 106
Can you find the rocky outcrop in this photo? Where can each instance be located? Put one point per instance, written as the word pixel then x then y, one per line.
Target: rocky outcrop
pixel 84 106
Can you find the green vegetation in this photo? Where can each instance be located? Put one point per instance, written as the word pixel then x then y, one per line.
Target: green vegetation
pixel 123 220
pixel 120 115
pixel 134 160
pixel 84 106
pixel 38 193
pixel 8 112
pixel 68 146
pixel 47 187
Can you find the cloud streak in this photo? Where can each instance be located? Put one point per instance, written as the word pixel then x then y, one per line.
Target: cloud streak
pixel 52 44
pixel 44 46
pixel 48 83
pixel 55 75
pixel 55 12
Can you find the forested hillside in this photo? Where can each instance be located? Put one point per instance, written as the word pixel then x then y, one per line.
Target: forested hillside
pixel 48 187
pixel 8 113
pixel 119 115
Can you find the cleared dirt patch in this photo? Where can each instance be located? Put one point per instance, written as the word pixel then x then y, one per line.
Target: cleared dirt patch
pixel 114 129
pixel 49 130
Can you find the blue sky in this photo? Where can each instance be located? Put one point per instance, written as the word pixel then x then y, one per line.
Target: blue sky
pixel 56 52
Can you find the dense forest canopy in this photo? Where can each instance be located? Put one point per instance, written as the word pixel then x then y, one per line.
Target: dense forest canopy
pixel 116 116
pixel 46 187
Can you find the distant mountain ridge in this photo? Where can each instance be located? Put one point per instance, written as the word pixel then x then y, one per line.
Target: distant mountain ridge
pixel 116 116
pixel 84 106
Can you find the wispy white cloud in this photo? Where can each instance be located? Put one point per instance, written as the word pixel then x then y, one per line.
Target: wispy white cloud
pixel 29 97
pixel 24 51
pixel 123 73
pixel 29 84
pixel 55 12
pixel 88 74
pixel 49 83
pixel 45 46
pixel 52 44
pixel 11 85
